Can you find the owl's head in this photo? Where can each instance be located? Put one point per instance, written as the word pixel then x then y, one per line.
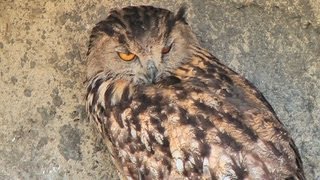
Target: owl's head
pixel 141 44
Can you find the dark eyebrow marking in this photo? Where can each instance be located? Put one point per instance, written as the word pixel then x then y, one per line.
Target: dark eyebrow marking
pixel 122 39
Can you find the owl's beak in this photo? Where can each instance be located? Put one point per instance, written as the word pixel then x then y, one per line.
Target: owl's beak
pixel 147 74
pixel 152 71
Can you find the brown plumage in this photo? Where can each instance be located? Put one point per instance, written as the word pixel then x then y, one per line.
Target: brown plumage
pixel 168 109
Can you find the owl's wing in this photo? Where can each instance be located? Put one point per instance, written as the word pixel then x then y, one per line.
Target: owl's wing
pixel 204 122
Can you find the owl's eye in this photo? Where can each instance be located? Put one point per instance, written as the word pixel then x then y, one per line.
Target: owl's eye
pixel 126 56
pixel 166 49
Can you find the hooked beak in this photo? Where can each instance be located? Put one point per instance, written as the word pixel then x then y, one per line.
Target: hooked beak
pixel 149 74
pixel 152 71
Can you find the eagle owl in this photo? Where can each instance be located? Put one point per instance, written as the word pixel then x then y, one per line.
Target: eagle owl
pixel 168 109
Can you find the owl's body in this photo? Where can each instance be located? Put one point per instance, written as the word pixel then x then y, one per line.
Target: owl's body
pixel 168 109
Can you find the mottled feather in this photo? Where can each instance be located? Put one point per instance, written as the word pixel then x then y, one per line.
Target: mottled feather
pixel 196 119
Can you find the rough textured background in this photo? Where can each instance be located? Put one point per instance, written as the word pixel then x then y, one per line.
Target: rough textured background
pixel 44 133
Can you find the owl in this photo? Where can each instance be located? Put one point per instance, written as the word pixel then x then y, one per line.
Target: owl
pixel 168 109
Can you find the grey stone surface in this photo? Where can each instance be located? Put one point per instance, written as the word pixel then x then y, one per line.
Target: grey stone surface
pixel 44 132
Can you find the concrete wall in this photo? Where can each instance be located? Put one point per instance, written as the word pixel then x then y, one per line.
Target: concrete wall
pixel 44 132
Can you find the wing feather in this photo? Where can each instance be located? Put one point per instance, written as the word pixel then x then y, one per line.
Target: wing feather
pixel 204 122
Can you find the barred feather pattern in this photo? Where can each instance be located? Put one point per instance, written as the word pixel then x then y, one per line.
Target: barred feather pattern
pixel 204 121
pixel 179 113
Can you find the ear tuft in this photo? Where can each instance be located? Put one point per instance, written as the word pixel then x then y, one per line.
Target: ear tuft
pixel 181 14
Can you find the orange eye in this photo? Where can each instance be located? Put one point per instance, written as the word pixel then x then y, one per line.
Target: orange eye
pixel 126 56
pixel 165 50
